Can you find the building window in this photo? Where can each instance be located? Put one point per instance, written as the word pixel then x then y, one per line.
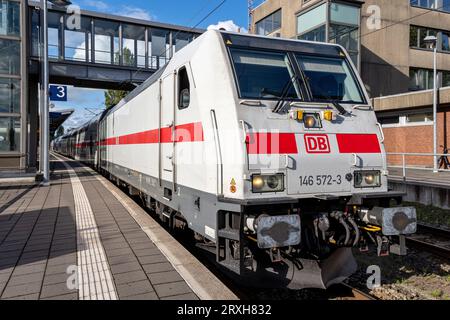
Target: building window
pixel 343 26
pixel 159 48
pixel 181 40
pixel 392 120
pixel 422 79
pixel 419 117
pixel 269 24
pixel 9 95
pixel 54 27
pixel 441 5
pixel 9 57
pixel 445 36
pixel 78 42
pixel 106 41
pixel 417 37
pixel 133 45
pixel 9 134
pixel 9 18
pixel 318 35
pixel 446 79
pixel 406 119
pixel 312 20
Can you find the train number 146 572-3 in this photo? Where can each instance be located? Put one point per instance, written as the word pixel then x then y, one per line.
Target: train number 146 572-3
pixel 320 180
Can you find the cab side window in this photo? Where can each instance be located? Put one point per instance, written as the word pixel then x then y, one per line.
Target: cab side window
pixel 184 94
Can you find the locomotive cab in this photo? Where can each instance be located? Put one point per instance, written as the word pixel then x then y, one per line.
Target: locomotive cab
pixel 315 167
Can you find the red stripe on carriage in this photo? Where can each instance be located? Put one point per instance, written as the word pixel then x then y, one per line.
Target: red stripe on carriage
pixel 189 132
pixel 271 143
pixel 358 143
pixel 107 142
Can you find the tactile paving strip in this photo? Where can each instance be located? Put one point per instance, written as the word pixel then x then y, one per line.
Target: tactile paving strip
pixel 94 276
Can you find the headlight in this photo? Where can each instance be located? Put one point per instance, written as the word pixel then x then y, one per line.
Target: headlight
pixel 312 120
pixel 267 183
pixel 367 179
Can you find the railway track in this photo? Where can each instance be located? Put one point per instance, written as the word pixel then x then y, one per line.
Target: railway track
pixel 344 291
pixel 431 239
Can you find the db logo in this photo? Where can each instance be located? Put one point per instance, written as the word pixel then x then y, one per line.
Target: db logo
pixel 317 143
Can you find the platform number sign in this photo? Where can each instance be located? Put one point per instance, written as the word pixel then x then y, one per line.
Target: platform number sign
pixel 58 93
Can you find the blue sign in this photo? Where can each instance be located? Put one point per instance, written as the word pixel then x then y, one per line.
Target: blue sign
pixel 58 93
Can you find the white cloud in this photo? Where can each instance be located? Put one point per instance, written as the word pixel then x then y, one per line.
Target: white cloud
pixel 134 12
pixel 228 25
pixel 99 5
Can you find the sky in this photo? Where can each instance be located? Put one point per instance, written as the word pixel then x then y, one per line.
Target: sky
pixel 231 15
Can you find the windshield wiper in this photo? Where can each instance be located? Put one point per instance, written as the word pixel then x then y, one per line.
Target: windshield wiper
pixel 336 105
pixel 339 107
pixel 287 87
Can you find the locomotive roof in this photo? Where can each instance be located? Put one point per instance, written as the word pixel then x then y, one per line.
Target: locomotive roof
pixel 273 43
pixel 243 40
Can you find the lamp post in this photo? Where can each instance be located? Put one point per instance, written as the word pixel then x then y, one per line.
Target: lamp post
pixel 45 129
pixel 431 41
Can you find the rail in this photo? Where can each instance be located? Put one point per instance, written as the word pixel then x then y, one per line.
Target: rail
pixel 442 158
pixel 431 239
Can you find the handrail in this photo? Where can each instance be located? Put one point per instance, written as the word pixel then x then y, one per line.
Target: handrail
pixel 417 154
pixel 381 131
pixel 404 165
pixel 218 152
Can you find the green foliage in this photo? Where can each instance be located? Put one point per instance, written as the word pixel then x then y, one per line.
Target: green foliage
pixel 430 214
pixel 437 293
pixel 113 97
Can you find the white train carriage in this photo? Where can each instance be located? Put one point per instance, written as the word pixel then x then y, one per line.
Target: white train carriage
pixel 268 149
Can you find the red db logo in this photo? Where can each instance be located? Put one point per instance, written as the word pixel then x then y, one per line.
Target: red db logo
pixel 317 143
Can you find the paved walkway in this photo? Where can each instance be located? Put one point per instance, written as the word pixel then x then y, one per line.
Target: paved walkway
pixel 82 238
pixel 421 177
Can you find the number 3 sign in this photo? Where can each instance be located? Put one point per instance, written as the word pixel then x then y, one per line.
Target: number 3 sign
pixel 58 93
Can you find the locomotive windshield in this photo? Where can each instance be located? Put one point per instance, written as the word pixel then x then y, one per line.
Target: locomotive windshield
pixel 264 75
pixel 270 75
pixel 330 79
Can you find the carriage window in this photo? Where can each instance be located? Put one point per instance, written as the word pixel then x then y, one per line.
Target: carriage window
pixel 264 75
pixel 184 95
pixel 330 79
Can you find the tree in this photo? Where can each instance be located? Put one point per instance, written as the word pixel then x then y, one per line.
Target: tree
pixel 113 97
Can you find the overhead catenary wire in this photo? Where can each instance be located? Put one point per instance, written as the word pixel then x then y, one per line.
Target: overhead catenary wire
pixel 163 53
pixel 395 23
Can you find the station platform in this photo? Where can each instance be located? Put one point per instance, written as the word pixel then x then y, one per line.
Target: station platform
pixel 426 177
pixel 82 238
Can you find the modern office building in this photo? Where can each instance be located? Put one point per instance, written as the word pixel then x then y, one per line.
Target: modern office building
pixel 386 42
pixel 102 51
pixel 384 38
pixel 13 84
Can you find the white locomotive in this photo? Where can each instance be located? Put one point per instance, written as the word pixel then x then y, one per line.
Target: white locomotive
pixel 267 149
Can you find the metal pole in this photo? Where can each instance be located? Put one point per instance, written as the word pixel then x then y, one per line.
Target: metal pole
pixel 45 113
pixel 404 167
pixel 435 167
